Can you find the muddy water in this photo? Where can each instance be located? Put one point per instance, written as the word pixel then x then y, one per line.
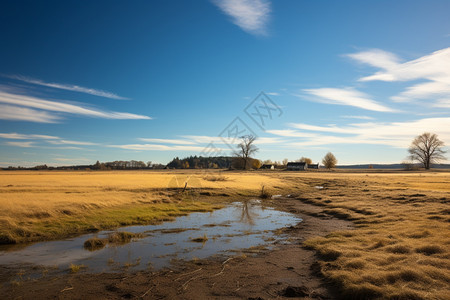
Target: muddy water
pixel 231 229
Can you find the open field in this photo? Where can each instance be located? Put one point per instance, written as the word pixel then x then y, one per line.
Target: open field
pixel 48 205
pixel 399 247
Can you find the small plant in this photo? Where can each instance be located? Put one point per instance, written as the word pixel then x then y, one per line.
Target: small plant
pixel 215 178
pixel 122 237
pixel 201 239
pixel 264 194
pixel 93 244
pixel 75 268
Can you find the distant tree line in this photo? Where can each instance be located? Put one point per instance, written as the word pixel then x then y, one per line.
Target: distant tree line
pixel 200 162
pixel 113 165
pixel 426 149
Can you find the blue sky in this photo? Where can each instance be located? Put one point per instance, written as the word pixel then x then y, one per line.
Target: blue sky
pixel 82 81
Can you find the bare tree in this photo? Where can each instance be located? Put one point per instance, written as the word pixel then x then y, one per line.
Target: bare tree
pixel 246 148
pixel 329 160
pixel 427 149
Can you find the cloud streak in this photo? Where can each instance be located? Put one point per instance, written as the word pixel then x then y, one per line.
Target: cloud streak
pixel 41 138
pixel 350 97
pixel 69 87
pixel 67 142
pixel 21 144
pixel 250 15
pixel 433 68
pixel 19 136
pixel 159 147
pixel 28 108
pixel 14 113
pixel 394 134
pixel 168 141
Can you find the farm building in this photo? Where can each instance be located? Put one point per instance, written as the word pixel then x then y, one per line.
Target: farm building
pixel 301 166
pixel 268 166
pixel 297 166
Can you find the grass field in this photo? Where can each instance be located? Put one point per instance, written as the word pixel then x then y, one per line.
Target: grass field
pixel 49 205
pixel 399 249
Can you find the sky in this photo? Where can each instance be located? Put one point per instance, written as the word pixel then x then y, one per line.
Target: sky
pixel 82 81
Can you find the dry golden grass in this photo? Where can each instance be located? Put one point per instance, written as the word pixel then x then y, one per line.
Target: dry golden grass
pixel 400 248
pixel 48 205
pixel 75 268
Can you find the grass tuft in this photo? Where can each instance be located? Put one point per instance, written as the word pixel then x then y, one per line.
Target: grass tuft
pixel 93 244
pixel 215 178
pixel 399 249
pixel 201 239
pixel 76 268
pixel 264 194
pixel 123 237
pixel 430 249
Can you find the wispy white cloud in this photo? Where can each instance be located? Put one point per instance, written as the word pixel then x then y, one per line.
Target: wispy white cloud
pixel 67 142
pixel 203 139
pixel 267 141
pixel 434 69
pixel 196 143
pixel 307 127
pixel 424 91
pixel 395 134
pixel 159 147
pixel 348 96
pixel 443 103
pixel 66 148
pixel 19 136
pixel 272 94
pixel 18 112
pixel 376 58
pixel 42 141
pixel 290 133
pixel 14 113
pixel 168 141
pixel 358 117
pixel 21 144
pixel 69 87
pixel 251 16
pixel 72 160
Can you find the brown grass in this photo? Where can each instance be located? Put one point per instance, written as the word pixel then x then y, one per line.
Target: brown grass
pixel 396 250
pixel 123 237
pixel 215 178
pixel 56 204
pixel 93 244
pixel 400 248
pixel 201 239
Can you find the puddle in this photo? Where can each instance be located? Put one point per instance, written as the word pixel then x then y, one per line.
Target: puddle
pixel 198 235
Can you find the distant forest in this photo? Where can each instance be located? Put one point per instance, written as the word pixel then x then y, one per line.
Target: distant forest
pixel 200 162
pixel 192 162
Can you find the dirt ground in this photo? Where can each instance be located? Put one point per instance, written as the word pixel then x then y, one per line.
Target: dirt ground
pixel 288 270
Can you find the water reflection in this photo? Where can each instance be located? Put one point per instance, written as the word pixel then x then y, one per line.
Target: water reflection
pixel 239 226
pixel 246 216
